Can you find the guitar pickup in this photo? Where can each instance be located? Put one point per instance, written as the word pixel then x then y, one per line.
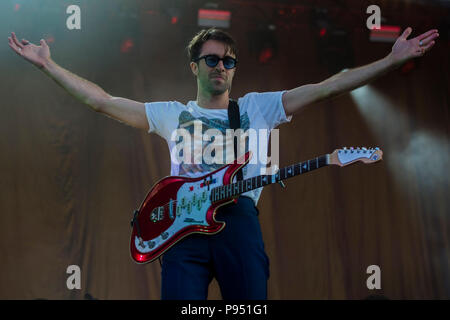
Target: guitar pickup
pixel 199 204
pixel 189 207
pixel 171 209
pixel 157 214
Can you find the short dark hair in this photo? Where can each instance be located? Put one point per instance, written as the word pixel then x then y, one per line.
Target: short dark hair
pixel 195 45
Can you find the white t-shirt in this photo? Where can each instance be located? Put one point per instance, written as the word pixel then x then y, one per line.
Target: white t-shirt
pixel 172 120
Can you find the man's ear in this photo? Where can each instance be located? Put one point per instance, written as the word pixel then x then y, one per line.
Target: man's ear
pixel 194 67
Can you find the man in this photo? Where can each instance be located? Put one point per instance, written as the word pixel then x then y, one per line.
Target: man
pixel 236 255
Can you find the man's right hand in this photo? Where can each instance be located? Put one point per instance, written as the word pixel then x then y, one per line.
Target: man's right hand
pixel 122 109
pixel 37 55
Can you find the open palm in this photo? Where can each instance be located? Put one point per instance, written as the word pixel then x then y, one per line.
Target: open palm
pixel 404 49
pixel 37 55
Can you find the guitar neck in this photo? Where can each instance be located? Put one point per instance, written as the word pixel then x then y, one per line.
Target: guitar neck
pixel 234 189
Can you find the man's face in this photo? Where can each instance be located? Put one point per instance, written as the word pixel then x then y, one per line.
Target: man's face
pixel 214 80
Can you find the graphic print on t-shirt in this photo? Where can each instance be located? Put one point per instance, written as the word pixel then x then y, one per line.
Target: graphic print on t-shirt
pixel 187 121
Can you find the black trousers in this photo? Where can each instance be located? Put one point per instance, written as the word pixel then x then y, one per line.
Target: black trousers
pixel 235 257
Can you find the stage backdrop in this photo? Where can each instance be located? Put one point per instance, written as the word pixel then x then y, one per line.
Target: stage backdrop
pixel 71 178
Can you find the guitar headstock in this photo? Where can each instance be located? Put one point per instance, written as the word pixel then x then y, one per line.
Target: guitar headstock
pixel 346 156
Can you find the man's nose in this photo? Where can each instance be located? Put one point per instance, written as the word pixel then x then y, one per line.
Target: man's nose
pixel 220 66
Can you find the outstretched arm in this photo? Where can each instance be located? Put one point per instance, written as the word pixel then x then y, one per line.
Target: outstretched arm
pixel 124 110
pixel 403 50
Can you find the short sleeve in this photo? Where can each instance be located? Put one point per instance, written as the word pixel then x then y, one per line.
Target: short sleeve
pixel 270 106
pixel 160 116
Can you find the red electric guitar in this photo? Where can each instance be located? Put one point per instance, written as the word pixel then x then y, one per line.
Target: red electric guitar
pixel 178 206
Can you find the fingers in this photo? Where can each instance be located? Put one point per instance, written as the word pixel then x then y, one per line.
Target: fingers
pixel 13 46
pixel 43 43
pixel 428 46
pixel 426 40
pixel 16 42
pixel 424 48
pixel 429 39
pixel 427 34
pixel 406 33
pixel 425 37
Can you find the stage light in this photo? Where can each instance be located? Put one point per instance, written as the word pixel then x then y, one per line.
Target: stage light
pixel 334 47
pixel 263 43
pixel 127 45
pixel 385 34
pixel 412 157
pixel 214 18
pixel 265 55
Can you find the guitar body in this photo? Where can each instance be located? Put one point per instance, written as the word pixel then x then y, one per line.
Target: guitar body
pixel 176 207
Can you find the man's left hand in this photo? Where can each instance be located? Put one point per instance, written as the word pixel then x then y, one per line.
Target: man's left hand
pixel 404 49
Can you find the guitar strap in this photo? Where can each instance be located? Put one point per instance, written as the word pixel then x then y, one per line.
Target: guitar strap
pixel 235 123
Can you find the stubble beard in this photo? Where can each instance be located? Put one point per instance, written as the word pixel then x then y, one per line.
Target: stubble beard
pixel 218 89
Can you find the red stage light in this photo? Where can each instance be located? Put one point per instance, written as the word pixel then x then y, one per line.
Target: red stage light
pixel 385 34
pixel 126 46
pixel 214 18
pixel 265 55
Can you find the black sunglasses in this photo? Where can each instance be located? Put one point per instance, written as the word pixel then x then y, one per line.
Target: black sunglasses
pixel 212 60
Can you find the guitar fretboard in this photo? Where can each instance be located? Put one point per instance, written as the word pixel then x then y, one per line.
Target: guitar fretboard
pixel 234 189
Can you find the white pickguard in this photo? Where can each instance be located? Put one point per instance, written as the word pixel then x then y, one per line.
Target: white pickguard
pixel 184 217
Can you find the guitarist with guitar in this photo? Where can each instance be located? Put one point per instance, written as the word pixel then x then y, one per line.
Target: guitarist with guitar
pixel 203 219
